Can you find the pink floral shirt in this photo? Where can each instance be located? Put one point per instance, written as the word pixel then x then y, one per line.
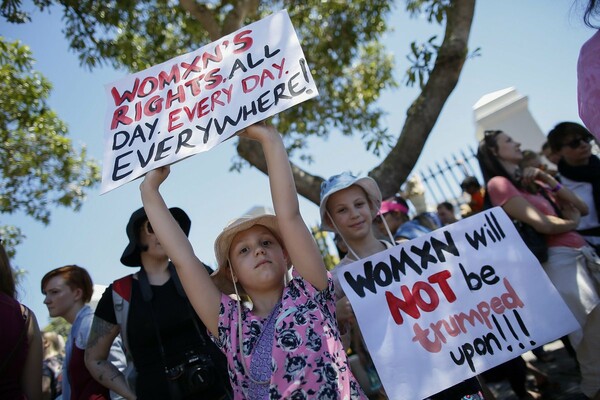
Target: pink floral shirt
pixel 308 359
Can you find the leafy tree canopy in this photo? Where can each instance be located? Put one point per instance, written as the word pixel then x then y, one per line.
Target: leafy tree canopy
pixel 58 325
pixel 341 43
pixel 39 167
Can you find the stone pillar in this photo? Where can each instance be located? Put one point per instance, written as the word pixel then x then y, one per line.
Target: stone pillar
pixel 507 110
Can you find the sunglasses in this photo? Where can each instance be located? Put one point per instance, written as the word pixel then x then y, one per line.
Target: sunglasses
pixel 575 143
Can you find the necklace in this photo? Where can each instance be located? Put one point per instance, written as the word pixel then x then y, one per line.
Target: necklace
pixel 260 364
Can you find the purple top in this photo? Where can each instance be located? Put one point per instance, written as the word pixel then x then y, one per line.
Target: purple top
pixel 13 323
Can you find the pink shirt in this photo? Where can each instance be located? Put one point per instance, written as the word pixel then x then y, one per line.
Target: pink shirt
pixel 308 359
pixel 588 84
pixel 501 190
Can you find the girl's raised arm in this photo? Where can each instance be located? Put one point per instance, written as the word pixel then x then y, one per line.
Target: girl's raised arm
pixel 199 287
pixel 298 240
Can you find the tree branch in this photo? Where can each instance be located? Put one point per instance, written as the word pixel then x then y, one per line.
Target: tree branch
pixel 425 110
pixel 308 186
pixel 234 20
pixel 205 16
pixel 421 116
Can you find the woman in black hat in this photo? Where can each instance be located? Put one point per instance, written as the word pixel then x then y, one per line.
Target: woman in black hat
pixel 169 353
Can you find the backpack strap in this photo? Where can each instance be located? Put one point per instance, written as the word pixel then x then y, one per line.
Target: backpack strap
pixel 121 294
pixel 123 287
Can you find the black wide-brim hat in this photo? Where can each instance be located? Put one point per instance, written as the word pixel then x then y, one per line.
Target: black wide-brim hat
pixel 131 254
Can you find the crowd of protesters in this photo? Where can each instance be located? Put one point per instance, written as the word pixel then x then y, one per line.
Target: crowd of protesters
pixel 210 334
pixel 218 334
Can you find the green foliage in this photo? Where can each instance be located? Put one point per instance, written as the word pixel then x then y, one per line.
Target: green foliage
pixel 422 55
pixel 10 9
pixel 420 58
pixel 350 66
pixel 340 39
pixel 58 325
pixel 433 9
pixel 39 168
pixel 330 260
pixel 11 237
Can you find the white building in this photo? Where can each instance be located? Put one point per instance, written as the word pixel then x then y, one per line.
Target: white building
pixel 98 290
pixel 508 111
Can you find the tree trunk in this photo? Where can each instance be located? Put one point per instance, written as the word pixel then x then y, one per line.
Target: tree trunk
pixel 425 110
pixel 308 186
pixel 421 116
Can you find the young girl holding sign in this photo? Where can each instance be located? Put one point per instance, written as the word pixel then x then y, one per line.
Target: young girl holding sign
pixel 348 206
pixel 288 344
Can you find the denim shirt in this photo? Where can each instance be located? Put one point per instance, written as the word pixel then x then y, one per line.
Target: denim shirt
pixel 80 318
pixel 79 336
pixel 410 230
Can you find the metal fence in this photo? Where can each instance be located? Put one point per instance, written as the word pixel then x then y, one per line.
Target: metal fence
pixel 442 179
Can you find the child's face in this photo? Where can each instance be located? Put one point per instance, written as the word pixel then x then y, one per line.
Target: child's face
pixel 551 156
pixel 534 161
pixel 349 208
pixel 257 257
pixel 471 190
pixel 446 216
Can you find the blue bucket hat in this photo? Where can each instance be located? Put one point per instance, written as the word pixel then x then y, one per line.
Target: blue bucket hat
pixel 343 181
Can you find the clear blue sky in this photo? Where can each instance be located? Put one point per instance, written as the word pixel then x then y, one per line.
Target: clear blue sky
pixel 530 45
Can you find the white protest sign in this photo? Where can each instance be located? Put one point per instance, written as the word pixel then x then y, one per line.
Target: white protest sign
pixel 449 305
pixel 193 102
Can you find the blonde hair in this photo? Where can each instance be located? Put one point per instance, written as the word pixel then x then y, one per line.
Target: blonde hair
pixel 56 344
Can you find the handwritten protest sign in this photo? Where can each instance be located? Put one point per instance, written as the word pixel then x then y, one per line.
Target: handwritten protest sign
pixel 193 102
pixel 449 305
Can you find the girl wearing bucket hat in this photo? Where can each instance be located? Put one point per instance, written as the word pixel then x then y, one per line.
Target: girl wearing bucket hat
pixel 287 344
pixel 348 207
pixel 170 355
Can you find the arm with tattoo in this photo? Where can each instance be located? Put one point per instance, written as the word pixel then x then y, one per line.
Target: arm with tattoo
pixel 102 335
